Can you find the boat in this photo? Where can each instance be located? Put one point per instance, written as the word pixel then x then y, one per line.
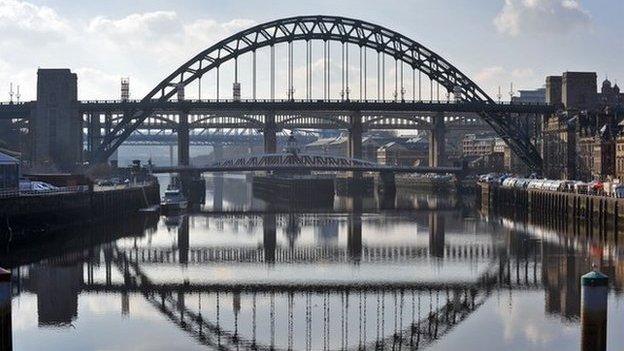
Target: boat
pixel 173 200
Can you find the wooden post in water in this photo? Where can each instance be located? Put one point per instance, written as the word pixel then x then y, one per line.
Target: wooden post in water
pixel 6 334
pixel 594 294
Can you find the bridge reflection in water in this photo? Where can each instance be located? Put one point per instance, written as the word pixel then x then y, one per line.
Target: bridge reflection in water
pixel 261 281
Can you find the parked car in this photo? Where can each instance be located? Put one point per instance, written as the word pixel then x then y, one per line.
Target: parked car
pixel 618 190
pixel 42 186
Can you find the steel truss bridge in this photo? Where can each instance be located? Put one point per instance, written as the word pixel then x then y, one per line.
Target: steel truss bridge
pixel 351 97
pixel 302 162
pixel 211 137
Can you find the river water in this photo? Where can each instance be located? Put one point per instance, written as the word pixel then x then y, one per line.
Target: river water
pixel 417 271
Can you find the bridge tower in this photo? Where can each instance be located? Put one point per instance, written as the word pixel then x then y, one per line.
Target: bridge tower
pixel 57 126
pixel 437 152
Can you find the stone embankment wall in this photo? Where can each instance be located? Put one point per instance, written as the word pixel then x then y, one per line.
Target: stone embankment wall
pixel 46 212
pixel 595 215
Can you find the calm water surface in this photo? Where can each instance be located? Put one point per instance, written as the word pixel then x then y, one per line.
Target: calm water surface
pixel 413 272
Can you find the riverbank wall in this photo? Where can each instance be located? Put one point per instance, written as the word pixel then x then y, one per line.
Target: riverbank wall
pixel 21 216
pixel 596 216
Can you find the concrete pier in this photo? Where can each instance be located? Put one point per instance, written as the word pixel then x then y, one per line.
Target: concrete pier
pixel 436 234
pixel 354 237
pixel 437 153
pixel 269 237
pixel 183 140
pixel 270 134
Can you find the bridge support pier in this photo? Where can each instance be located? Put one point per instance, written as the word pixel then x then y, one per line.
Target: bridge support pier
pixel 183 140
pixel 437 152
pixel 436 235
pixel 217 152
pixel 95 134
pixel 387 184
pixel 108 128
pixel 355 140
pixel 270 134
pixel 269 239
pixel 217 198
pixel 193 186
pixel 355 136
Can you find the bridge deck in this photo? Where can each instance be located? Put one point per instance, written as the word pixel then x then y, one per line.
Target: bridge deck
pixel 22 110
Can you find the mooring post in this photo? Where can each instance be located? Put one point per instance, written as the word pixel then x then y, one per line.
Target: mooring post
pixel 6 334
pixel 594 295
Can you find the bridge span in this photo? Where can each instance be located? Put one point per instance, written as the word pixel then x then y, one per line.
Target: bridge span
pixel 424 91
pixel 288 162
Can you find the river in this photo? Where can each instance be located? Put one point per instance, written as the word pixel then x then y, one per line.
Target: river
pixel 417 271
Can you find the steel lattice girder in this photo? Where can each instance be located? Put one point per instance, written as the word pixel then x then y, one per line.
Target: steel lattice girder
pixel 326 28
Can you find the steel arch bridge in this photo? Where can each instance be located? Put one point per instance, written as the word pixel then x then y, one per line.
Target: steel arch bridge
pixel 328 29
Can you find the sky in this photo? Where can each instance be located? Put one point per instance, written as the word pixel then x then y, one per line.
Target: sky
pixel 494 42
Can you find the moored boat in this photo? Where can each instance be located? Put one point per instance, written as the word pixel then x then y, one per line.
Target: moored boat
pixel 173 200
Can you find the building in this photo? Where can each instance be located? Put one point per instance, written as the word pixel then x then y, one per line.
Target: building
pixel 57 126
pixel 553 90
pixel 512 163
pixel 473 145
pixel 559 149
pixel 339 146
pixel 579 142
pixel 9 173
pixel 404 152
pixel 579 90
pixel 619 156
pixel 610 96
pixel 492 162
pixel 604 154
pixel 536 96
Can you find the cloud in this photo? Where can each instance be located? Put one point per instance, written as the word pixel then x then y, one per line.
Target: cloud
pixel 145 46
pixel 487 74
pixel 30 17
pixel 490 78
pixel 26 23
pixel 541 17
pixel 137 28
pixel 161 35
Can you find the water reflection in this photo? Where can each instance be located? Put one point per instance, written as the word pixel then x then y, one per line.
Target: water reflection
pixel 234 193
pixel 365 278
